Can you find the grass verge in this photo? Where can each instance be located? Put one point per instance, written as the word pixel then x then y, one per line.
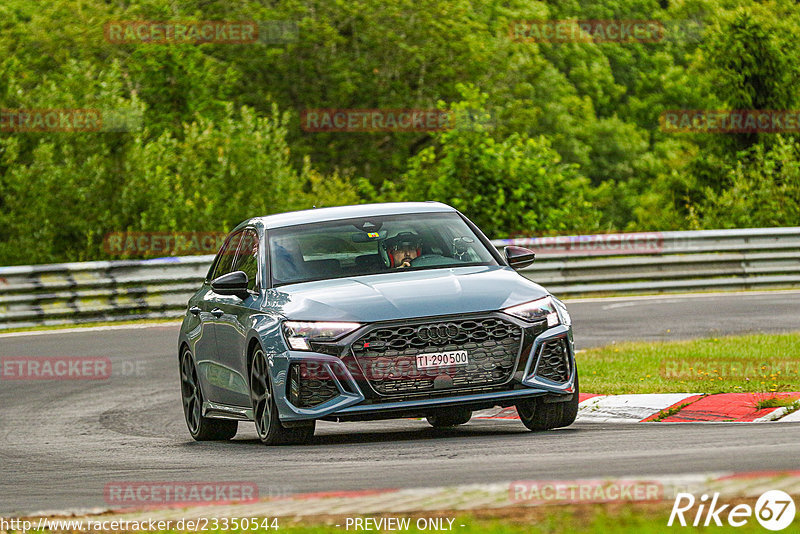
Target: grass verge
pixel 751 363
pixel 663 414
pixel 777 402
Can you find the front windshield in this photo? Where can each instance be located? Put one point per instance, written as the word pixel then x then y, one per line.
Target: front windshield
pixel 372 245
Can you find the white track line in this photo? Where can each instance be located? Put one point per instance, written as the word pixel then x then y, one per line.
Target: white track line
pixel 627 408
pixel 679 296
pixel 91 329
pixel 793 417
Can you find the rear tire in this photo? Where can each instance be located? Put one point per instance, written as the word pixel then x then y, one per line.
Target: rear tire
pixel 265 412
pixel 536 414
pixel 201 428
pixel 449 418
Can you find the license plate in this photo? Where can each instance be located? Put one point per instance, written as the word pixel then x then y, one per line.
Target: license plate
pixel 442 359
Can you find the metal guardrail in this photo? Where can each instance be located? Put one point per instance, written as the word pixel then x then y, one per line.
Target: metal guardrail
pixel 651 262
pixel 72 293
pixel 662 262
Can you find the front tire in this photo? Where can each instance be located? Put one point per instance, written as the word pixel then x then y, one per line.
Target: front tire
pixel 449 418
pixel 265 412
pixel 537 415
pixel 201 428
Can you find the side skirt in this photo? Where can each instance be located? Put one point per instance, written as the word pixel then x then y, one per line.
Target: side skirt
pixel 217 410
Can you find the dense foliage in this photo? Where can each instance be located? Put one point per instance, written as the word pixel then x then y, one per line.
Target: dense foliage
pixel 570 142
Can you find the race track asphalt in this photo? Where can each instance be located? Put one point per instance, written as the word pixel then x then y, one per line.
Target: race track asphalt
pixel 61 442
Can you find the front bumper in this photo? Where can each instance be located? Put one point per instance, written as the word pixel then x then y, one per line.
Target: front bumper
pixel 356 400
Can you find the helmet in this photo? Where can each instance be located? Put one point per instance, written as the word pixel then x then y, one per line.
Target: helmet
pixel 402 238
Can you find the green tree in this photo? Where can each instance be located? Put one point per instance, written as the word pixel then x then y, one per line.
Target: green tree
pixel 515 186
pixel 762 190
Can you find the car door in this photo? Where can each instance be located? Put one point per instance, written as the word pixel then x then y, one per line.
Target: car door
pixel 232 325
pixel 200 330
pixel 213 377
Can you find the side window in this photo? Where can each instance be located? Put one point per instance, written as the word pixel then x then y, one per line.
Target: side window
pixel 247 258
pixel 224 262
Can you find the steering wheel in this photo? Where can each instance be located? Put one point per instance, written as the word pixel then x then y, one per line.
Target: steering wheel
pixel 423 259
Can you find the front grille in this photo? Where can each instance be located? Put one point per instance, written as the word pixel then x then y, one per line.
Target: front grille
pixel 310 384
pixel 553 361
pixel 387 355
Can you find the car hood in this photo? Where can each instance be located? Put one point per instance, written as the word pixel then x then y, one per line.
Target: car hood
pixel 405 294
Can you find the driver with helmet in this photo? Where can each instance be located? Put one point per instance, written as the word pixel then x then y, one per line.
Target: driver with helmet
pixel 399 251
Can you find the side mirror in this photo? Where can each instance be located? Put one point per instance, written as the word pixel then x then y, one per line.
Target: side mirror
pixel 234 283
pixel 519 257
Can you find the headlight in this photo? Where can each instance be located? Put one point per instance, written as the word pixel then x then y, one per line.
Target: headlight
pixel 544 308
pixel 300 334
pixel 563 314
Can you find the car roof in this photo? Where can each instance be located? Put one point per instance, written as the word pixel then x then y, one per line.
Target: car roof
pixel 291 218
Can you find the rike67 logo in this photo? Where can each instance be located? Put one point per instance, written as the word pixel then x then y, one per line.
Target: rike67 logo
pixel 774 509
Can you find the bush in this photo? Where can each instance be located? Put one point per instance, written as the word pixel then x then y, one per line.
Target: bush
pixel 763 190
pixel 215 175
pixel 509 187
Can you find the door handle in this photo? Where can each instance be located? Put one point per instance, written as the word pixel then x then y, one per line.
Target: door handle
pixel 194 310
pixel 216 312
